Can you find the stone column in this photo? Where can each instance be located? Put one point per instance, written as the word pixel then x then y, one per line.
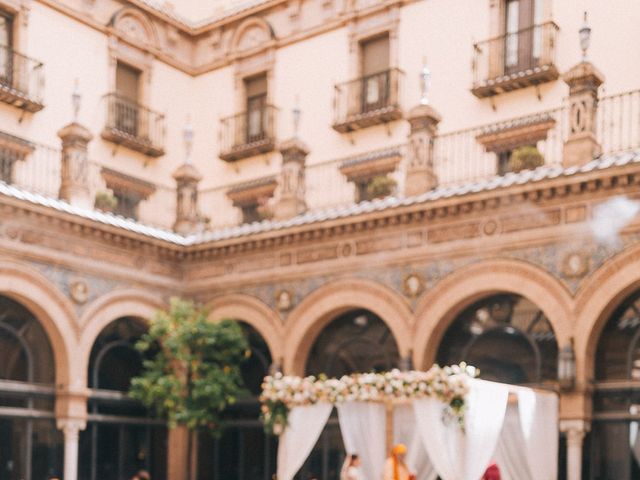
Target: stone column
pixel 582 145
pixel 421 177
pixel 71 430
pixel 71 417
pixel 575 430
pixel 74 177
pixel 291 199
pixel 187 217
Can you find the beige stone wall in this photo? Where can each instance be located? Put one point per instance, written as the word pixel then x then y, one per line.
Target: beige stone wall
pixel 193 70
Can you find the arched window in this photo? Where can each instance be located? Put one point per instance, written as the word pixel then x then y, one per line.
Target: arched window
pixel 243 452
pixel 355 342
pixel 615 438
pixel 30 444
pixel 120 438
pixel 507 337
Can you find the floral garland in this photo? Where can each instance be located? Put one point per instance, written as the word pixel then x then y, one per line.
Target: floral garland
pixel 449 385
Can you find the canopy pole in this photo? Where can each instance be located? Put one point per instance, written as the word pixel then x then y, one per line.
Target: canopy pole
pixel 389 426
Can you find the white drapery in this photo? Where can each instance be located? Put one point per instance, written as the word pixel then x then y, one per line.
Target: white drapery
pixel 363 428
pixel 511 452
pixel 539 420
pixel 305 426
pixel 458 455
pixel 405 431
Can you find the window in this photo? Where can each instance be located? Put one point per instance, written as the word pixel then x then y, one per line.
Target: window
pixel 127 97
pixel 615 438
pixel 256 92
pixel 6 50
pixel 120 437
pixel 522 35
pixel 31 444
pixel 129 191
pixel 375 73
pixel 127 203
pixel 507 337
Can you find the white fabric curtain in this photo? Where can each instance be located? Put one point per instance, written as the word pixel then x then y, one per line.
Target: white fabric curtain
pixel 363 429
pixel 305 426
pixel 405 431
pixel 539 420
pixel 511 452
pixel 457 455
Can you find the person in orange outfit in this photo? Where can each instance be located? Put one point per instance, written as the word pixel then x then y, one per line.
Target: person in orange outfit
pixel 395 468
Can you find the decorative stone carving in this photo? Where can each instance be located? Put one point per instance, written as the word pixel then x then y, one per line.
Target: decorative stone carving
pixel 284 300
pixel 252 34
pixel 74 181
pixel 413 285
pixel 79 291
pixel 135 27
pixel 582 146
pixel 421 177
pixel 187 217
pixel 575 265
pixel 291 200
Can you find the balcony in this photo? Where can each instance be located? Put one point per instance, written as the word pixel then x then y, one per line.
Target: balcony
pixel 248 134
pixel 368 101
pixel 515 60
pixel 21 80
pixel 134 126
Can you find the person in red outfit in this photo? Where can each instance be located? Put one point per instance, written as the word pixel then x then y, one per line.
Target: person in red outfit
pixel 492 473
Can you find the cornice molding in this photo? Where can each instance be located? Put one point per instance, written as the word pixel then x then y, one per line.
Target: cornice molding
pixel 200 32
pixel 458 215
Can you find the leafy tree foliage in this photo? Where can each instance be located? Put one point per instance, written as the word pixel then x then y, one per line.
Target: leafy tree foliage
pixel 192 371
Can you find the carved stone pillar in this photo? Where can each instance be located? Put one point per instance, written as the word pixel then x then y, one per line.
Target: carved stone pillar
pixel 421 177
pixel 582 146
pixel 71 430
pixel 575 430
pixel 74 181
pixel 187 217
pixel 291 201
pixel 71 418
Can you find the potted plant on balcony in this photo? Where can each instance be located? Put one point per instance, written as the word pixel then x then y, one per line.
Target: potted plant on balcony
pixel 106 201
pixel 527 157
pixel 380 186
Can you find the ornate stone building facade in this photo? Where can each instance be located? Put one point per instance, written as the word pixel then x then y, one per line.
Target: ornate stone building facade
pixel 335 176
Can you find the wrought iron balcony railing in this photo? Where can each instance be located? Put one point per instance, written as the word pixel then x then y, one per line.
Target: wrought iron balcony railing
pixel 515 60
pixel 248 133
pixel 367 101
pixel 134 126
pixel 21 80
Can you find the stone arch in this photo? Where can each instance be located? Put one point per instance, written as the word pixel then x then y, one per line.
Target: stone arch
pixel 319 308
pixel 596 300
pixel 135 26
pixel 53 310
pixel 438 307
pixel 251 35
pixel 253 312
pixel 108 308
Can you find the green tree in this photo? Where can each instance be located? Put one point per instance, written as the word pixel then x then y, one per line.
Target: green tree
pixel 192 368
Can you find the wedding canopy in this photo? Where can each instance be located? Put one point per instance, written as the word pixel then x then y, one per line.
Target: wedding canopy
pixel 453 424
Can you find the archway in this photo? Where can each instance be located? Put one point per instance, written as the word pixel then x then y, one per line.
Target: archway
pixel 353 341
pixel 32 447
pixel 324 305
pixel 120 438
pixel 438 307
pixel 243 451
pixel 615 436
pixel 507 337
